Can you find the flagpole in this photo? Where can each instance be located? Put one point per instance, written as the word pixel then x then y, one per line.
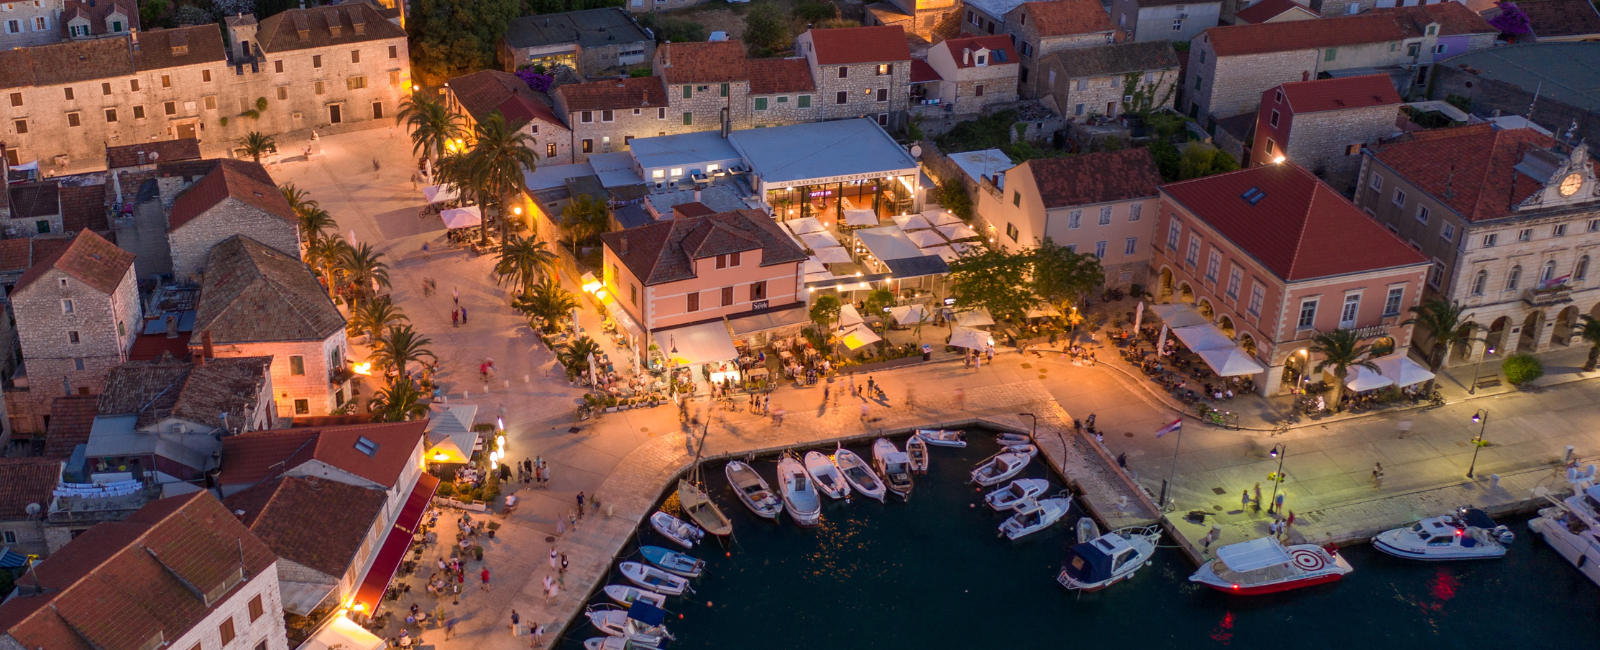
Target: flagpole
pixel 1167 484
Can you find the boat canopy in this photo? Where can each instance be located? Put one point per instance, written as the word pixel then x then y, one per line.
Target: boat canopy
pixel 1479 519
pixel 898 457
pixel 646 613
pixel 1258 553
pixel 1088 564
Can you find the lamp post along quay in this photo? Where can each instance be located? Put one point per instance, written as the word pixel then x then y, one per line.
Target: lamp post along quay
pixel 1473 389
pixel 1279 451
pixel 1482 419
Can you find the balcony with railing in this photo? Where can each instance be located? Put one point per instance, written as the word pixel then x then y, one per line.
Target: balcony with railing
pixel 1556 295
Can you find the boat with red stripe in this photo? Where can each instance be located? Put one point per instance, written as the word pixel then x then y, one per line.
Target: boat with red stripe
pixel 1265 566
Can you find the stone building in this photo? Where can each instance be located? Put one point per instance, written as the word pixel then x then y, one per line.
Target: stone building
pixel 318 566
pixel 1165 20
pixel 640 6
pixel 919 17
pixel 1038 29
pixel 859 72
pixel 1322 125
pixel 707 84
pixel 1111 80
pixel 606 115
pixel 1505 80
pixel 782 92
pixel 975 72
pixel 480 94
pixel 305 337
pixel 1229 67
pixel 77 314
pixel 29 484
pixel 1271 11
pixel 236 198
pixel 591 41
pixel 26 23
pixel 1511 221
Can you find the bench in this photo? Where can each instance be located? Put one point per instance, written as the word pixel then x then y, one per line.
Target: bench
pixel 1487 382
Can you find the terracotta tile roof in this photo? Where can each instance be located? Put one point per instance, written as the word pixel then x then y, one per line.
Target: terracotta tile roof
pixel 1339 94
pixel 1266 10
pixel 129 155
pixel 588 28
pixel 1301 229
pixel 35 200
pixel 228 181
pixel 152 346
pixel 1559 18
pixel 712 62
pixel 664 251
pixel 774 76
pixel 921 72
pixel 253 457
pixel 194 169
pixel 1107 60
pixel 1471 168
pixel 1067 17
pixel 16 255
pixel 487 91
pixel 276 512
pixel 166 387
pixel 89 258
pixel 1304 34
pixel 1000 47
pixel 1095 178
pixel 253 293
pixel 26 481
pixel 126 585
pixel 1454 19
pixel 282 32
pixel 639 92
pixel 179 46
pixel 84 206
pixel 71 417
pixel 97 13
pixel 883 44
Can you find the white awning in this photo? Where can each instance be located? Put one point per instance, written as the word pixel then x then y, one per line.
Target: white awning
pixel 832 255
pixel 912 222
pixel 975 318
pixel 1402 370
pixel 462 217
pixel 344 634
pixel 770 321
pixel 1258 553
pixel 888 243
pixel 860 218
pixel 945 253
pixel 1359 379
pixel 909 314
pixel 437 193
pixel 696 344
pixel 925 239
pixel 971 339
pixel 858 337
pixel 1203 337
pixel 1043 311
pixel 814 265
pixel 1230 362
pixel 849 316
pixel 1178 315
pixel 941 217
pixel 959 231
pixel 804 226
pixel 816 240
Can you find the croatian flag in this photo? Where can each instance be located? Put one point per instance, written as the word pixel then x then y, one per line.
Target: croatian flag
pixel 1175 426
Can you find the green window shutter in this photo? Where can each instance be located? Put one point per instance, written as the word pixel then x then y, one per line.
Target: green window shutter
pixel 805 101
pixel 1330 53
pixel 723 92
pixel 761 103
pixel 688 119
pixel 688 92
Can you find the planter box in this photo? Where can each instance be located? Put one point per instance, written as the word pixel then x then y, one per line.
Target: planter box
pixel 611 409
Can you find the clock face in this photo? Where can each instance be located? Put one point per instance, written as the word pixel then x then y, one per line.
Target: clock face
pixel 1570 184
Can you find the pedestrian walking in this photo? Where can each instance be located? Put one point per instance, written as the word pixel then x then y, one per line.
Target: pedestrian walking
pixel 449 627
pixel 825 391
pixel 989 354
pixel 1244 501
pixel 424 253
pixel 872 386
pixel 580 504
pixel 766 403
pixel 572 520
pixel 1122 460
pixel 1377 476
pixel 1258 496
pixel 563 563
pixel 1089 422
pixel 1213 536
pixel 455 294
pixel 455 318
pixel 549 589
pixel 485 575
pixel 1288 522
pixel 561 527
pixel 463 315
pixel 853 384
pixel 538 636
pixel 961 398
pixel 516 623
pixel 552 558
pixel 1277 504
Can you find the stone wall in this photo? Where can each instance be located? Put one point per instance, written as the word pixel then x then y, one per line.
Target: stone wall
pixel 191 242
pixel 1233 85
pixel 783 109
pixel 1158 86
pixel 1321 141
pixel 29 534
pixel 106 326
pixel 321 396
pixel 703 104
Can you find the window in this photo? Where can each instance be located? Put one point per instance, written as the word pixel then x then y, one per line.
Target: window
pixel 586 117
pixel 1193 257
pixel 1235 278
pixel 1074 219
pixel 8 537
pixel 77 364
pixel 1559 230
pixel 73 338
pixel 661 113
pixel 844 72
pixel 1258 294
pixel 72 119
pixel 727 296
pixel 758 290
pixel 66 306
pixel 316 60
pixel 302 407
pixel 170 108
pixel 394 77
pixel 688 119
pixel 1490 240
pixel 1399 197
pixel 633 294
pixel 1271 146
pixel 42 226
pixel 588 146
pixel 356 83
pixel 166 81
pixel 694 301
pixel 1548 273
pixel 1447 232
pixel 841 97
pixel 1198 81
pixel 1274 119
pixel 977 91
pixel 1440 48
pixel 277 66
pixel 355 56
pixel 366 446
pixel 1133 211
pixel 761 103
pixel 803 101
pixel 297 365
pixel 1594 226
pixel 1083 84
pixel 1478 281
pixel 1330 54
pixel 394 52
pixel 226 630
pixel 1100 250
pixel 885 69
pixel 1105 215
pixel 1012 232
pixel 1581 271
pixel 1391 302
pixel 1436 274
pixel 122 328
pixel 111 115
pixel 688 92
pixel 255 609
pixel 1308 314
pixel 1213 265
pixel 283 93
pixel 105 88
pixel 1352 307
pixel 16 99
pixel 205 75
pixel 1173 232
pixel 1525 234
pixel 1377 182
pixel 722 91
pixel 69 93
pixel 1077 110
pixel 550 150
pixel 1514 278
pixel 1177 24
pixel 318 87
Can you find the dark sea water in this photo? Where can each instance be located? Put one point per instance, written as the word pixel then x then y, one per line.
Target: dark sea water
pixel 931 573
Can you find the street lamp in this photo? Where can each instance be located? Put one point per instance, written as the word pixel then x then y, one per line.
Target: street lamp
pixel 1035 431
pixel 1279 451
pixel 1473 389
pixel 1481 418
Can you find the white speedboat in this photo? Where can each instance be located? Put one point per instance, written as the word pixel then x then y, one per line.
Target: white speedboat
pixel 1264 566
pixel 1001 467
pixel 654 579
pixel 943 438
pixel 858 474
pixel 675 529
pixel 1572 526
pixel 826 475
pixel 605 643
pixel 639 625
pixel 893 465
pixel 1009 439
pixel 1033 516
pixel 625 595
pixel 1468 534
pixel 1009 496
pixel 799 493
pixel 917 450
pixel 753 490
pixel 672 561
pixel 1108 559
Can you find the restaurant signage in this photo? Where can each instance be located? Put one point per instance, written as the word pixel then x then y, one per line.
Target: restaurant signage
pixel 839 179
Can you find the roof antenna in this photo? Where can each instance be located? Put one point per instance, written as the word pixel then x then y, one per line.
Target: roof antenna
pixel 1536 90
pixel 1449 190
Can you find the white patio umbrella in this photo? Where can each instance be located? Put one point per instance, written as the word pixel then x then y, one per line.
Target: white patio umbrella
pixel 1229 362
pixel 804 226
pixel 438 193
pixel 1360 379
pixel 912 222
pixel 815 240
pixel 849 316
pixel 941 217
pixel 1043 311
pixel 860 218
pixel 971 339
pixel 814 265
pixel 909 314
pixel 1176 315
pixel 974 318
pixel 945 253
pixel 925 238
pixel 461 217
pixel 832 255
pixel 1203 337
pixel 592 381
pixel 1138 316
pixel 858 337
pixel 1402 370
pixel 959 231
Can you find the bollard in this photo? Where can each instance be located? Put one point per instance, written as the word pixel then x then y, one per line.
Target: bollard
pixel 610 510
pixel 508 384
pixel 1494 481
pixel 465 393
pixel 444 397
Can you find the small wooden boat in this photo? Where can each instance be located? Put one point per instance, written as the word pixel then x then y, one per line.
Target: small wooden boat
pixel 625 595
pixel 697 504
pixel 893 465
pixel 917 449
pixel 799 493
pixel 605 643
pixel 858 474
pixel 1101 561
pixel 1009 439
pixel 826 475
pixel 672 561
pixel 640 625
pixel 1264 566
pixel 943 438
pixel 1008 497
pixel 1087 529
pixel 1036 515
pixel 1000 467
pixel 753 490
pixel 654 579
pixel 675 529
pixel 1027 450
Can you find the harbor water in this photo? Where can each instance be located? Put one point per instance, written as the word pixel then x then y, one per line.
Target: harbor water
pixel 931 573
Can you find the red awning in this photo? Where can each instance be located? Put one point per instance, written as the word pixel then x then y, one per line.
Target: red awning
pixel 395 545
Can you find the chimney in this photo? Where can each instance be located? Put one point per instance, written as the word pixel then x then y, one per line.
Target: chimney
pixel 205 344
pixel 726 127
pixel 966 56
pixel 624 245
pixel 172 326
pixel 134 35
pixel 1305 75
pixel 696 195
pixel 141 156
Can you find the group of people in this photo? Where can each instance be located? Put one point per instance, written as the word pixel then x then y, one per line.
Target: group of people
pixel 533 471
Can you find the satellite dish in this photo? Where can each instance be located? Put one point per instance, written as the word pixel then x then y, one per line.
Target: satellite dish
pixel 916 151
pixel 155 155
pixel 34 509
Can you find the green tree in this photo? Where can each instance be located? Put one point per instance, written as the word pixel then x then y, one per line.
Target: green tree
pixel 1341 351
pixel 257 144
pixel 298 199
pixel 500 156
pixel 452 37
pixel 1591 333
pixel 155 13
pixel 1167 159
pixel 432 126
pixel 1440 322
pixel 994 280
pixel 522 262
pixel 1522 368
pixel 824 310
pixel 374 316
pixel 574 356
pixel 1062 277
pixel 953 197
pixel 547 301
pixel 399 345
pixel 324 255
pixel 1201 160
pixel 399 401
pixel 766 30
pixel 877 300
pixel 584 218
pixel 363 270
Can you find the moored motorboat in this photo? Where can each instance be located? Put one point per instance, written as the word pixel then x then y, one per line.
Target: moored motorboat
pixel 625 595
pixel 675 529
pixel 672 561
pixel 917 450
pixel 943 437
pixel 1000 467
pixel 893 465
pixel 1263 566
pixel 1108 559
pixel 1087 529
pixel 1467 534
pixel 697 504
pixel 858 474
pixel 826 475
pixel 1009 439
pixel 639 625
pixel 1009 496
pixel 753 490
pixel 654 579
pixel 799 493
pixel 1572 526
pixel 605 643
pixel 1034 515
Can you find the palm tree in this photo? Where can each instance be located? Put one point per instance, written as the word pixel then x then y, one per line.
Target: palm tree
pixel 1591 333
pixel 432 125
pixel 324 254
pixel 298 199
pixel 1440 321
pixel 523 261
pixel 1341 351
pixel 257 144
pixel 363 269
pixel 574 356
pixel 501 154
pixel 374 316
pixel 314 222
pixel 583 218
pixel 400 345
pixel 399 401
pixel 546 300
